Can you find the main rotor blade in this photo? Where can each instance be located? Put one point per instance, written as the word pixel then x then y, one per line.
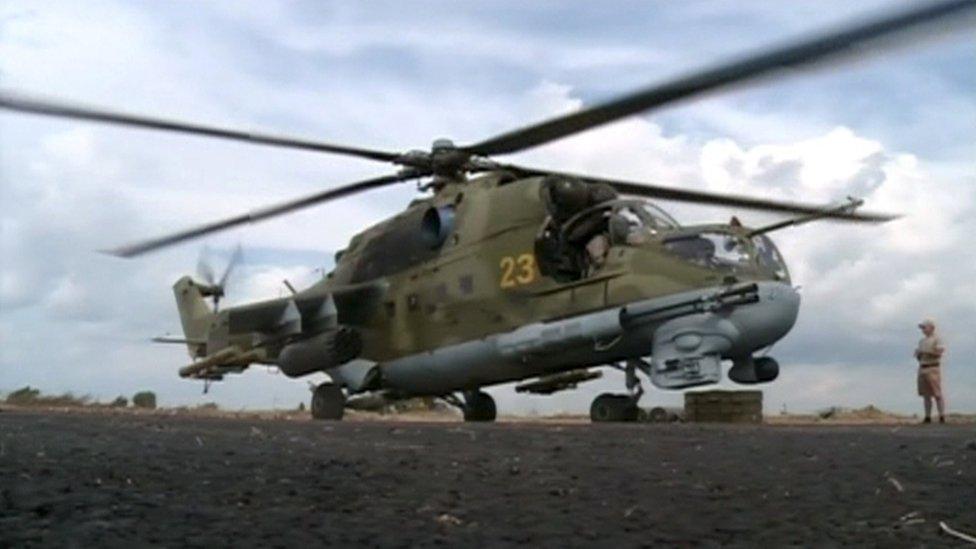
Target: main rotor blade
pixel 139 248
pixel 716 199
pixel 833 45
pixel 22 103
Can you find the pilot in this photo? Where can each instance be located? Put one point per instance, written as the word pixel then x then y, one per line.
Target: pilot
pixel 596 249
pixel 929 355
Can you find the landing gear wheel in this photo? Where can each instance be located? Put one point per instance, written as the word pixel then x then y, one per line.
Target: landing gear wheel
pixel 328 402
pixel 479 406
pixel 767 369
pixel 658 415
pixel 609 407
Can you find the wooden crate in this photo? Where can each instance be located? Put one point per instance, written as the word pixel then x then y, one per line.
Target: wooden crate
pixel 724 406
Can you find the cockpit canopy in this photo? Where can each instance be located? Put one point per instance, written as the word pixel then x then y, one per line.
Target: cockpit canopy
pixel 632 222
pixel 584 222
pixel 730 252
pixel 627 221
pixel 769 257
pixel 578 233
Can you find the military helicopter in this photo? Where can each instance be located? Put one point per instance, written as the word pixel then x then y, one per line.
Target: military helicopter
pixel 501 272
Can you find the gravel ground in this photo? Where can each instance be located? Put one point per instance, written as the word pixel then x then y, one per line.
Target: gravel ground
pixel 84 480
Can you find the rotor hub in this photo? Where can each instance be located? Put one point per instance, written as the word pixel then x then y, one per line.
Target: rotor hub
pixel 442 144
pixel 444 160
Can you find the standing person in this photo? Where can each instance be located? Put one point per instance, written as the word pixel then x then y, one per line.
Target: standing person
pixel 929 355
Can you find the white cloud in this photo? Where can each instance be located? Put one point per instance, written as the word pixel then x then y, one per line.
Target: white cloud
pixel 910 296
pixel 74 148
pixel 69 299
pixel 353 30
pixel 68 189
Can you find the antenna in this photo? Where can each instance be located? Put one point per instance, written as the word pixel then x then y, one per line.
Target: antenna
pixel 290 287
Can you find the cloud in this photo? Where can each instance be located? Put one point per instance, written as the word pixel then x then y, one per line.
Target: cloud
pixel 383 76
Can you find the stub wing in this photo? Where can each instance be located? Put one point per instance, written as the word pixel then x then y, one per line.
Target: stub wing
pixel 252 333
pixel 306 314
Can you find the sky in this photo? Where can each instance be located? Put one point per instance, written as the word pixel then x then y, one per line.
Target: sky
pixel 897 128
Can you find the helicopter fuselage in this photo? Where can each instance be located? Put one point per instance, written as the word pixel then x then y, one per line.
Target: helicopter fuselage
pixel 487 282
pixel 467 303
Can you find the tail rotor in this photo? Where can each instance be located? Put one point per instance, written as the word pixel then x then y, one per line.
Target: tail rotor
pixel 214 288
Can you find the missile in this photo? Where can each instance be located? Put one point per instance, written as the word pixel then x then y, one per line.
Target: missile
pixel 558 382
pixel 226 356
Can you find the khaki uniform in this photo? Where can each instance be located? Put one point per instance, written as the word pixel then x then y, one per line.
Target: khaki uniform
pixel 929 368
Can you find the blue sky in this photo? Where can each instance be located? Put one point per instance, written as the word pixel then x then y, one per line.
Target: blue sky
pixel 897 129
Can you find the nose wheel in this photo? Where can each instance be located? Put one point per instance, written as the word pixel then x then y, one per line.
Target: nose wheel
pixel 612 407
pixel 479 406
pixel 476 406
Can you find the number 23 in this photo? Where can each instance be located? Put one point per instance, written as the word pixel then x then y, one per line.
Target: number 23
pixel 517 271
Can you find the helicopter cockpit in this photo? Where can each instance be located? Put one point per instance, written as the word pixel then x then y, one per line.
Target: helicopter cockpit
pixel 769 258
pixel 575 239
pixel 618 222
pixel 630 222
pixel 584 223
pixel 728 251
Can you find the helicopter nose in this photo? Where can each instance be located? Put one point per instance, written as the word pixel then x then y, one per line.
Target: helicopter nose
pixel 766 322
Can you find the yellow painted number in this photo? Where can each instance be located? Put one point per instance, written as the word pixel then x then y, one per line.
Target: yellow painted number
pixel 526 269
pixel 517 271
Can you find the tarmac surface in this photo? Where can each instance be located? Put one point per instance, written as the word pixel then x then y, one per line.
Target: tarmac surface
pixel 84 480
